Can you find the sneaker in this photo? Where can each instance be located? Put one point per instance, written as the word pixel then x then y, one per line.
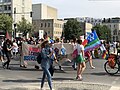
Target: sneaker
pixel 79 78
pixel 75 68
pixel 62 69
pixel 92 67
pixel 8 68
pixel 3 65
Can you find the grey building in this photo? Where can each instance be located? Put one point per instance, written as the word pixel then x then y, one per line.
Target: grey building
pixel 114 25
pixel 93 21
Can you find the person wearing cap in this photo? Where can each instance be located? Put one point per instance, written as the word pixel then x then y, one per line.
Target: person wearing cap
pixel 46 63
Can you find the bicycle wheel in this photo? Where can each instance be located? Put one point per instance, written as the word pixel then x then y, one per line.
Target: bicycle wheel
pixel 111 70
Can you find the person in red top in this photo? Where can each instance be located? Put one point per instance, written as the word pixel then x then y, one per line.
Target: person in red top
pixel 89 56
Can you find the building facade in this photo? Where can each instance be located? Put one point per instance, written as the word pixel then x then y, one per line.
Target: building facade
pixel 45 18
pixel 93 21
pixel 52 27
pixel 42 11
pixel 17 9
pixel 114 25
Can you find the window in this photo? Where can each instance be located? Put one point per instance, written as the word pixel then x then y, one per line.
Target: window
pixel 0 8
pixel 119 33
pixel 9 0
pixel 116 38
pixel 41 25
pixel 48 32
pixel 9 7
pixel 114 25
pixel 45 24
pixel 115 32
pixel 48 24
pixel 113 38
pixel 5 7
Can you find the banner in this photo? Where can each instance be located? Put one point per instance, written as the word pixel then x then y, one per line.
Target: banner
pixel 31 51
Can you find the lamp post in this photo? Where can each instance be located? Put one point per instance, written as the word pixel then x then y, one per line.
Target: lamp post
pixel 15 27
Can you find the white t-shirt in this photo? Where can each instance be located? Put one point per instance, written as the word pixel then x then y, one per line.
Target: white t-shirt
pixel 79 48
pixel 15 48
pixel 102 47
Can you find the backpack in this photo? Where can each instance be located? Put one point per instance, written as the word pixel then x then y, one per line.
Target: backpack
pixel 39 58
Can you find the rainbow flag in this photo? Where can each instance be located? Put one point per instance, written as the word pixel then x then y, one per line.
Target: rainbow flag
pixel 93 41
pixel 105 54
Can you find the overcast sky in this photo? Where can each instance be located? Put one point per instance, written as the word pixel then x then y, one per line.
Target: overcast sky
pixel 84 8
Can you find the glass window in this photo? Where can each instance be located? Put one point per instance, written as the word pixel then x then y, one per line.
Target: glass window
pixel 9 7
pixel 48 32
pixel 114 25
pixel 9 0
pixel 5 7
pixel 45 24
pixel 48 24
pixel 115 32
pixel 41 24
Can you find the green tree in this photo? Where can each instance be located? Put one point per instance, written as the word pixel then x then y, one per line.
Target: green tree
pixel 24 27
pixel 104 33
pixel 5 23
pixel 72 29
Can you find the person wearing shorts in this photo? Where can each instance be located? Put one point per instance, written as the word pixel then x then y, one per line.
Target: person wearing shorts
pixel 89 56
pixel 80 60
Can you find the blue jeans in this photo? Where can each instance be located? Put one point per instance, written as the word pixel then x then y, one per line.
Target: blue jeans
pixel 49 78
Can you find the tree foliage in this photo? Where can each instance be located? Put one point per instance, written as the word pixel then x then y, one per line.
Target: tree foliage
pixel 72 29
pixel 103 32
pixel 5 23
pixel 24 27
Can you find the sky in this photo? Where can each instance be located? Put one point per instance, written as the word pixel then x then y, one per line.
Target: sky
pixel 84 8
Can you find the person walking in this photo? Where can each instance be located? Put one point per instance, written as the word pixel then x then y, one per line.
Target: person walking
pixel 7 48
pixel 80 60
pixel 46 63
pixel 74 59
pixel 1 52
pixel 15 48
pixel 89 56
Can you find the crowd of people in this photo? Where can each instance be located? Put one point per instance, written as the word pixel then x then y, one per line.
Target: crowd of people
pixel 9 49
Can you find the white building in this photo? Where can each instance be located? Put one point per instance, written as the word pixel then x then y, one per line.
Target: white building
pixel 45 18
pixel 42 11
pixel 17 9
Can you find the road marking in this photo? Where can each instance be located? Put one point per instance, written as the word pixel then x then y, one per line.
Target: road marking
pixel 114 88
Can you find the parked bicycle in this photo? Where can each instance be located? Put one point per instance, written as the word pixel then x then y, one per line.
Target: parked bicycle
pixel 112 66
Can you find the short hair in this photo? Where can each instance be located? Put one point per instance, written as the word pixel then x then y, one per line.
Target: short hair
pixel 43 44
pixel 79 41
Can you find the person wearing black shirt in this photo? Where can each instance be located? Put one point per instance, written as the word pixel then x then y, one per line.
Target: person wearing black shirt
pixel 7 49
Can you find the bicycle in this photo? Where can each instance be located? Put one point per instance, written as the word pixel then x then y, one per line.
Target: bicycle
pixel 112 66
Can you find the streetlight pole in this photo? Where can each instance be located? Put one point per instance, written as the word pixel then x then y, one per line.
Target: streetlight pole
pixel 14 22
